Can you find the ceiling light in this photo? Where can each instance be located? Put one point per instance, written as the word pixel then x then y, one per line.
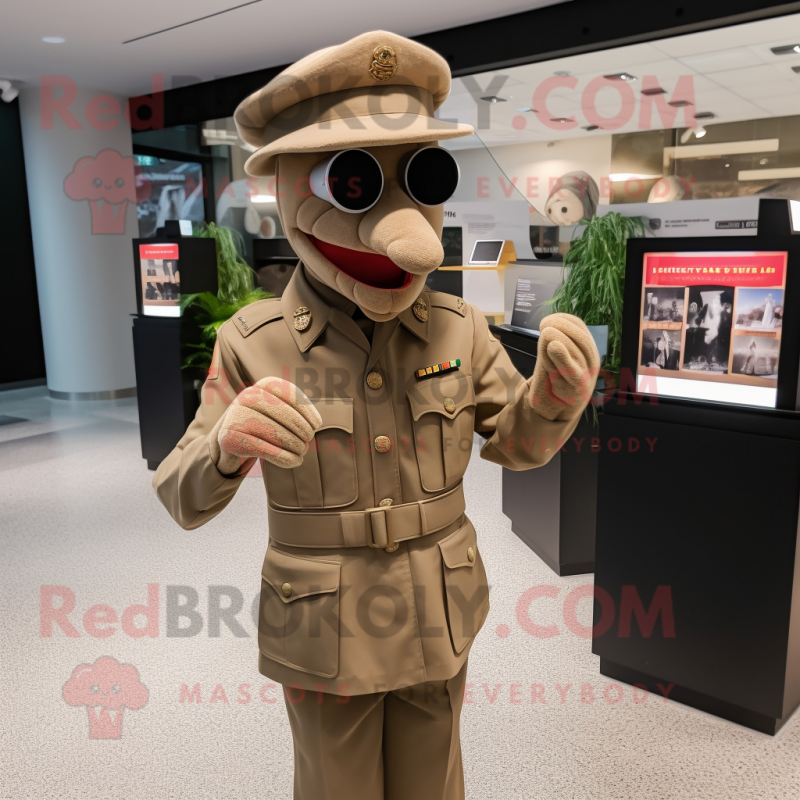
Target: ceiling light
pixel 679 103
pixel 762 161
pixel 8 93
pixel 54 39
pixel 562 72
pixel 632 176
pixel 655 90
pixel 562 120
pixel 699 133
pixel 493 98
pixel 591 127
pixel 621 76
pixel 727 165
pixel 768 174
pixel 526 110
pixel 786 49
pixel 795 69
pixel 705 115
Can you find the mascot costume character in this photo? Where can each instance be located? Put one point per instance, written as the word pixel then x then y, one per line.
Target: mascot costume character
pixel 360 390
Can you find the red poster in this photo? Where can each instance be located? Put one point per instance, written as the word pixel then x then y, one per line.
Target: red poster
pixel 711 326
pixel 161 279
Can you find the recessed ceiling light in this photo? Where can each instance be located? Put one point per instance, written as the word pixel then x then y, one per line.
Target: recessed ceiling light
pixel 562 120
pixel 700 132
pixel 621 76
pixel 54 39
pixel 493 98
pixel 727 165
pixel 591 127
pixel 763 161
pixel 786 49
pixel 527 110
pixel 653 91
pixel 679 103
pixel 562 72
pixel 705 115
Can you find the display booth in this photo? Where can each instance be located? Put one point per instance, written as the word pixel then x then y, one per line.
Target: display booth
pixel 165 268
pixel 697 569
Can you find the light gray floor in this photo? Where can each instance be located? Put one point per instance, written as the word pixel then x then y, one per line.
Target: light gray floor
pixel 77 511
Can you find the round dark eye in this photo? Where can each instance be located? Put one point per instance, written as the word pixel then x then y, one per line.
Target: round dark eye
pixel 429 176
pixel 97 183
pixel 119 183
pixel 564 209
pixel 351 180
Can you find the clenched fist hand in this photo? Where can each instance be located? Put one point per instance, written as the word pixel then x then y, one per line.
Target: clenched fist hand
pixel 566 368
pixel 272 420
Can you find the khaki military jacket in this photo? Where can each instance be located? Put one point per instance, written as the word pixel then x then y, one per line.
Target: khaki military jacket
pixel 373 577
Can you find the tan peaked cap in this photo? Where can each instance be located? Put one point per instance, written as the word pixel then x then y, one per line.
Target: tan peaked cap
pixel 376 89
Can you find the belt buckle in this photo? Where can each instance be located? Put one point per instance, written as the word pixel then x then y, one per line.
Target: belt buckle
pixel 389 545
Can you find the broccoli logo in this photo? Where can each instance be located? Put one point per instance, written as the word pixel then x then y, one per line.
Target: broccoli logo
pixel 106 688
pixel 108 182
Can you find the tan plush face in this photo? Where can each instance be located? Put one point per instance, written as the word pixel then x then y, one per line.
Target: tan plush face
pixel 564 207
pixel 396 242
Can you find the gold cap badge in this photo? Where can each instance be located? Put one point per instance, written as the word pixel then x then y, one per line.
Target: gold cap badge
pixel 302 318
pixel 384 63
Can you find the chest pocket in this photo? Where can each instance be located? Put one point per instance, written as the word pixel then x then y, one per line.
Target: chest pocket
pixel 327 477
pixel 443 414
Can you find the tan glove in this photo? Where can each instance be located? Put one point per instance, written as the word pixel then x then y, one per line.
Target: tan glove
pixel 567 364
pixel 272 420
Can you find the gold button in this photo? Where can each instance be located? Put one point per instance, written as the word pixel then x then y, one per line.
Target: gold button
pixel 383 444
pixel 420 310
pixel 287 589
pixel 449 405
pixel 374 380
pixel 470 554
pixel 392 548
pixel 387 501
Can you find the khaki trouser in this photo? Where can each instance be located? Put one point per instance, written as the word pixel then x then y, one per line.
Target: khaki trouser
pixel 399 745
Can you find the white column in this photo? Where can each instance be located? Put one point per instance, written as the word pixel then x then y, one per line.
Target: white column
pixel 83 221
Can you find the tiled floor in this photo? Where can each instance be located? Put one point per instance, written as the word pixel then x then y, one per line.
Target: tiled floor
pixel 77 513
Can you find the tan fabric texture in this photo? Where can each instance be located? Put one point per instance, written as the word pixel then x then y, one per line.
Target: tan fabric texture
pixel 361 616
pixel 397 745
pixel 272 420
pixel 396 227
pixel 349 96
pixel 567 363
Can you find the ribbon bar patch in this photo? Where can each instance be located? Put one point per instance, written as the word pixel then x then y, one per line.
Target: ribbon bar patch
pixel 438 369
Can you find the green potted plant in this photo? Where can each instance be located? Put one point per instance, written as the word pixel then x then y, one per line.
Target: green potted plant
pixel 593 288
pixel 235 290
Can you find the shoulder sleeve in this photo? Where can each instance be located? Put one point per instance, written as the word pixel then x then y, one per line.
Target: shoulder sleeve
pixel 187 482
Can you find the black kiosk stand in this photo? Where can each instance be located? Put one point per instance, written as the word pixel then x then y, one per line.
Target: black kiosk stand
pixel 697 569
pixel 167 267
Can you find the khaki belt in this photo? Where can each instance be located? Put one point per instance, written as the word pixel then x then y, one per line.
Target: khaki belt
pixel 381 527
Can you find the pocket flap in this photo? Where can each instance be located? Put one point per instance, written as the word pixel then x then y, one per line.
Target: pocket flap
pixel 457 547
pixel 293 577
pixel 445 395
pixel 336 412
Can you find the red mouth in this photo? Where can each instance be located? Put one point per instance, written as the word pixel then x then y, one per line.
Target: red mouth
pixel 370 269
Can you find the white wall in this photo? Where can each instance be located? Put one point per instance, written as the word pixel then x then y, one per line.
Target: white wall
pixel 85 279
pixel 533 168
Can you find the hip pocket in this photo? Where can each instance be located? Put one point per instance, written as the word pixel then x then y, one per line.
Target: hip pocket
pixel 327 477
pixel 298 621
pixel 466 589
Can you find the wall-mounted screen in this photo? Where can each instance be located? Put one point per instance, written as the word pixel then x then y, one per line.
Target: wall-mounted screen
pixel 711 325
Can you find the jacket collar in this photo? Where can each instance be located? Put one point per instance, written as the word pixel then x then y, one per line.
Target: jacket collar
pixel 412 323
pixel 297 296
